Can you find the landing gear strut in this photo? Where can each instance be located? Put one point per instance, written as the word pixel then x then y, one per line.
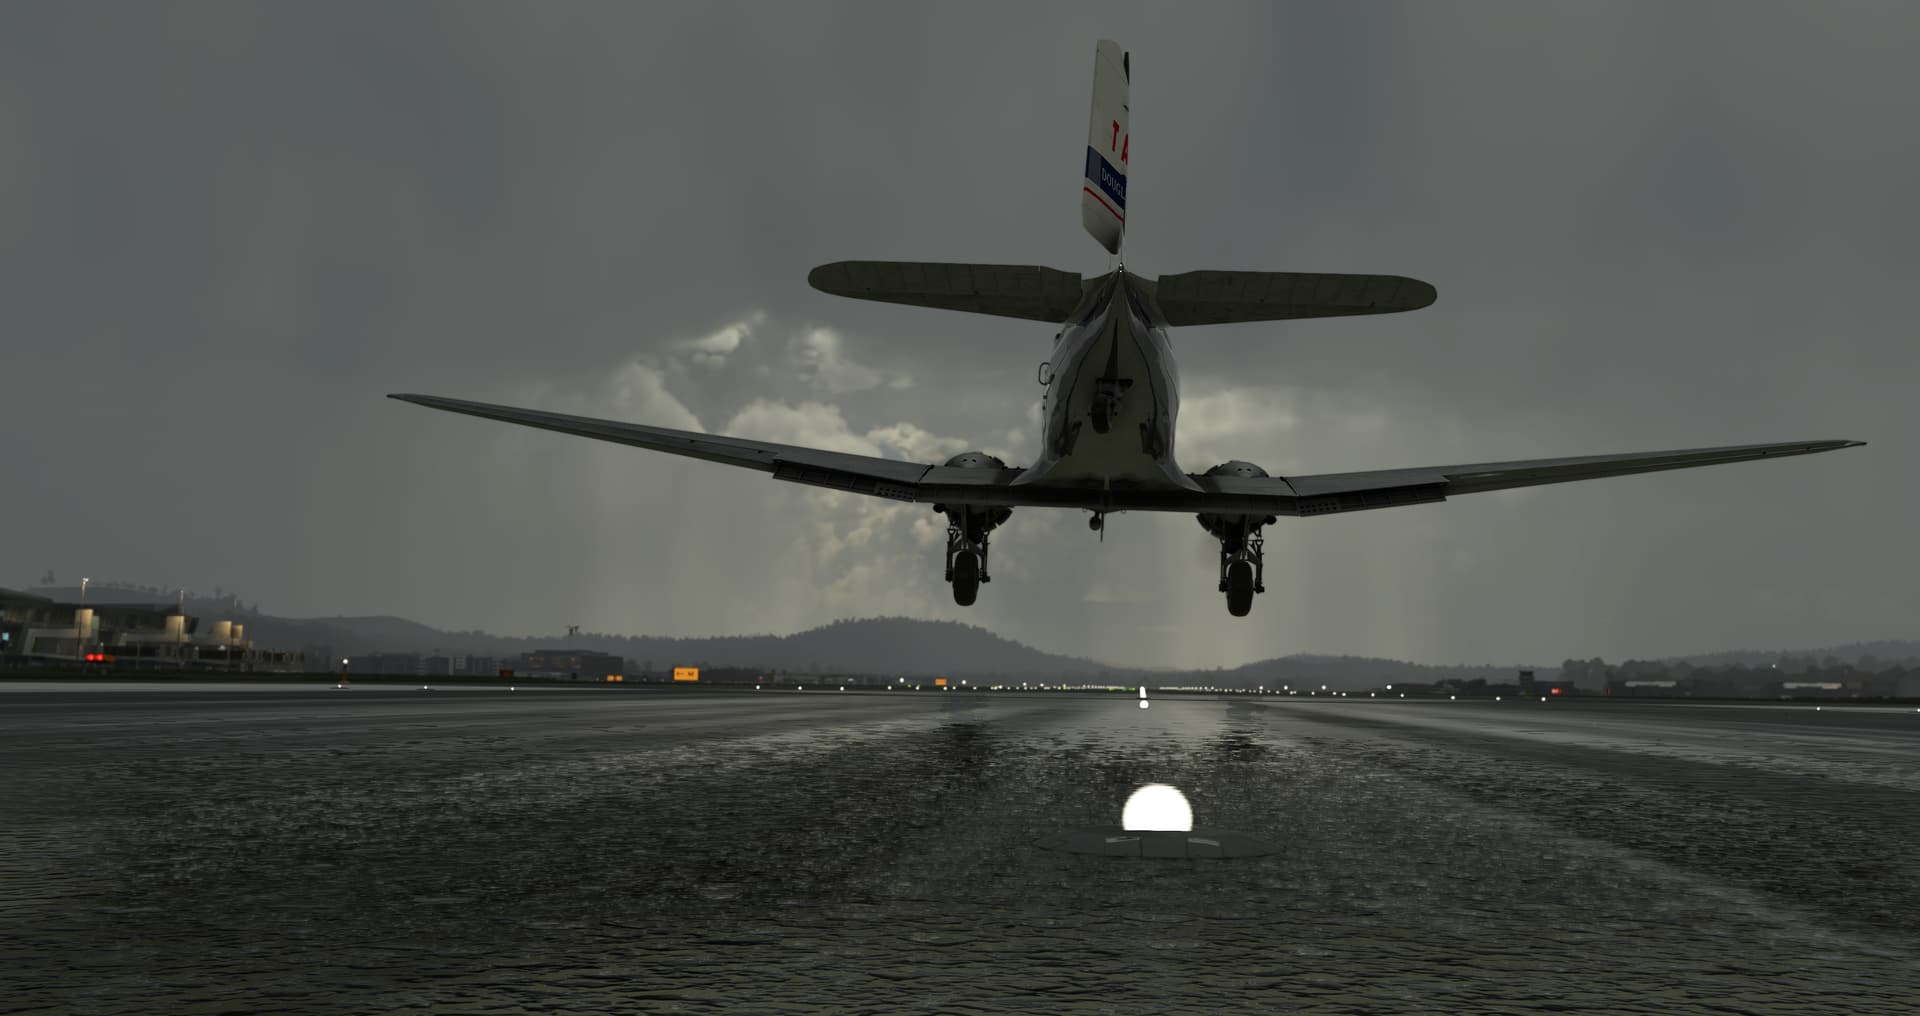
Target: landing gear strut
pixel 967 532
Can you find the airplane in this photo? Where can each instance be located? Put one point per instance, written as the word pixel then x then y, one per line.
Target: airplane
pixel 1112 394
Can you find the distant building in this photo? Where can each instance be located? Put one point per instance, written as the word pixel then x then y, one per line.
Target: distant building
pixel 39 632
pixel 405 664
pixel 570 663
pixel 477 666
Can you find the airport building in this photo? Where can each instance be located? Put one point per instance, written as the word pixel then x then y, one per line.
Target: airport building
pixel 39 632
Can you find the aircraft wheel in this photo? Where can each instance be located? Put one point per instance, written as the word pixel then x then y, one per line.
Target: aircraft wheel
pixel 966 577
pixel 1240 588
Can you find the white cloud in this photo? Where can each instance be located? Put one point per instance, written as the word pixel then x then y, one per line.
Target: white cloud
pixel 633 392
pixel 1263 425
pixel 713 348
pixel 821 355
pixel 916 444
pixel 810 424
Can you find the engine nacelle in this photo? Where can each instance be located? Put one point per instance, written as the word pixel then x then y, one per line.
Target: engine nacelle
pixel 978 460
pixel 975 520
pixel 1229 527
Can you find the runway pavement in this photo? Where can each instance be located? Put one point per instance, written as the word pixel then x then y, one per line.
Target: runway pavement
pixel 312 850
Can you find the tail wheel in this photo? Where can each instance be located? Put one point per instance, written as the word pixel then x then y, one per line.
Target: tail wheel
pixel 1239 588
pixel 966 578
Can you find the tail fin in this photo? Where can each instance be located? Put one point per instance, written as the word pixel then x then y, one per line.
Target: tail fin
pixel 1103 194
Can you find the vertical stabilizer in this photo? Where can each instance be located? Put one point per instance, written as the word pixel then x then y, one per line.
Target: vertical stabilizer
pixel 1103 194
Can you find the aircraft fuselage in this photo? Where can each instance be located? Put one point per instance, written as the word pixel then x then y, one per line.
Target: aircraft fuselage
pixel 1108 413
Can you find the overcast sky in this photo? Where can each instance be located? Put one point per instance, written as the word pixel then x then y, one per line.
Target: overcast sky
pixel 228 230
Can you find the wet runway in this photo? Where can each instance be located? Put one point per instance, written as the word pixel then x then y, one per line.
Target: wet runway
pixel 568 850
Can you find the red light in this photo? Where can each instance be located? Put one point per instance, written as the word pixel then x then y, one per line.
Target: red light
pixel 1556 691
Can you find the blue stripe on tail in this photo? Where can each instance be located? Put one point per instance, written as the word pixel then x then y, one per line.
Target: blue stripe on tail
pixel 1111 182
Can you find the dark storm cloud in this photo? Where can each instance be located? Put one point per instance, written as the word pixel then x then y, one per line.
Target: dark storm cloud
pixel 231 228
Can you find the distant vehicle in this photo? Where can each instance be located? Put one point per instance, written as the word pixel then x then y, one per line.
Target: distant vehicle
pixel 1112 394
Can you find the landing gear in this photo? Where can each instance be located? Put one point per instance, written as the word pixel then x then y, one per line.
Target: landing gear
pixel 966 574
pixel 1243 562
pixel 967 531
pixel 1239 585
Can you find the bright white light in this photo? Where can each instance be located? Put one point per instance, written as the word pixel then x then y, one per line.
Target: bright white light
pixel 1453 698
pixel 1543 698
pixel 1159 808
pixel 1496 698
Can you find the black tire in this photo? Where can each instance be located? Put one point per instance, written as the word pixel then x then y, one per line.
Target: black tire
pixel 966 578
pixel 1240 588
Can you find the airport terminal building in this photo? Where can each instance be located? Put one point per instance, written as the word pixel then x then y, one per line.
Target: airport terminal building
pixel 37 632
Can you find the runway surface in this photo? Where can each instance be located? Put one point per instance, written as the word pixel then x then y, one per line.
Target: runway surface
pixel 309 850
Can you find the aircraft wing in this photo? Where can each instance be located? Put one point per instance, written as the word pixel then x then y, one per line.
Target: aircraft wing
pixel 861 474
pixel 1275 495
pixel 1327 493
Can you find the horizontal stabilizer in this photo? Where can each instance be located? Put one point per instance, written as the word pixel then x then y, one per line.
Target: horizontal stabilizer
pixel 1018 291
pixel 1218 298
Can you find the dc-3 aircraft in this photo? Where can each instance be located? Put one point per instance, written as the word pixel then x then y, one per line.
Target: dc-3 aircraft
pixel 1112 395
